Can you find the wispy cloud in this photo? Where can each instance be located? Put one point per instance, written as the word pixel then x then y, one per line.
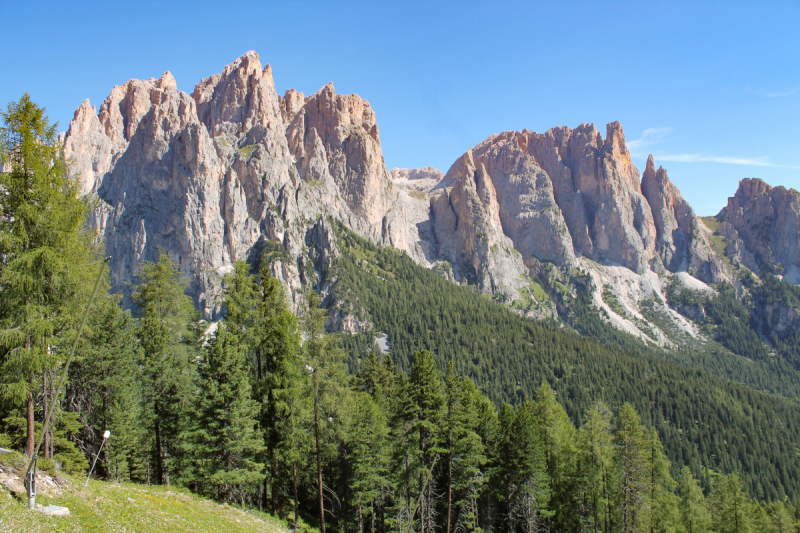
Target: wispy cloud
pixel 649 137
pixel 702 158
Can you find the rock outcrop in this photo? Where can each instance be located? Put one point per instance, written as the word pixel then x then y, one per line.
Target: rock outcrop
pixel 416 179
pixel 234 168
pixel 681 243
pixel 210 178
pixel 570 193
pixel 762 227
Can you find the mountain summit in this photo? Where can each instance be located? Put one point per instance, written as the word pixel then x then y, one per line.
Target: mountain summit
pixel 235 169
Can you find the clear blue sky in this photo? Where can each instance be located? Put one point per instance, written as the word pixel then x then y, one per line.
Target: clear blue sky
pixel 712 89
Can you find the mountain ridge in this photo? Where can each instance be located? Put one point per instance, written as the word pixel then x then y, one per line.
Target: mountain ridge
pixel 218 175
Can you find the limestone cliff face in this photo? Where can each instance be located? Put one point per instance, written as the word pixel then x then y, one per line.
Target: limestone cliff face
pixel 209 178
pixel 570 193
pixel 681 243
pixel 216 176
pixel 762 226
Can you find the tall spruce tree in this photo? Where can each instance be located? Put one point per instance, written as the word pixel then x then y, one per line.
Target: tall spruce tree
pixel 520 471
pixel 226 439
pixel 421 446
pixel 370 459
pixel 465 452
pixel 168 339
pixel 104 389
pixel 46 257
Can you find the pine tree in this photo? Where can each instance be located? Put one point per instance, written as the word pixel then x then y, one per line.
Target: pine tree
pixel 695 517
pixel 45 257
pixel 168 340
pixel 227 440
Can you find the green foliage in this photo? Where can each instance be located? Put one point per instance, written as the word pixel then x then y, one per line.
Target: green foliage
pixel 226 439
pixel 702 420
pixel 168 341
pixel 45 255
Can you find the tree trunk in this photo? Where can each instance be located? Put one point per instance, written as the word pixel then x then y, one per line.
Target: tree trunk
pixel 294 475
pixel 159 457
pixel 46 434
pixel 319 463
pixel 30 444
pixel 360 521
pixel 449 490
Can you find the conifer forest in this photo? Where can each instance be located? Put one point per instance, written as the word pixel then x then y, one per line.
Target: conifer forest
pixel 475 419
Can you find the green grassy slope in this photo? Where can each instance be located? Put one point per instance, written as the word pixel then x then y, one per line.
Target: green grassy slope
pixel 704 420
pixel 130 507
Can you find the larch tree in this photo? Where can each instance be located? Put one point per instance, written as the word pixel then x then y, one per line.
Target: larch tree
pixel 630 461
pixel 694 515
pixel 594 464
pixel 46 257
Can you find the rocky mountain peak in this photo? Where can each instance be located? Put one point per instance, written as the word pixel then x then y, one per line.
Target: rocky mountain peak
pixel 235 169
pixel 762 227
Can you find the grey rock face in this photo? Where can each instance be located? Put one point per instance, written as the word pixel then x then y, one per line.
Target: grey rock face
pixel 215 176
pixel 762 226
pixel 680 242
pixel 209 178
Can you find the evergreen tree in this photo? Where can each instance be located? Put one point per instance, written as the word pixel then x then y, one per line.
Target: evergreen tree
pixel 168 340
pixel 694 514
pixel 327 388
pixel 558 434
pixel 594 465
pixel 45 258
pixel 104 390
pixel 729 506
pixel 520 470
pixel 256 312
pixel 369 438
pixel 227 440
pixel 423 412
pixel 631 466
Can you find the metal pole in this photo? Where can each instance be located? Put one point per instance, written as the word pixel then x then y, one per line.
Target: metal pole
pixel 95 461
pixel 30 476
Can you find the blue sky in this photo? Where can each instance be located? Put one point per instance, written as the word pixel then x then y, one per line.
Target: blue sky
pixel 712 89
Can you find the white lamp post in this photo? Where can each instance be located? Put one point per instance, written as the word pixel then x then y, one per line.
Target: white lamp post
pixel 106 434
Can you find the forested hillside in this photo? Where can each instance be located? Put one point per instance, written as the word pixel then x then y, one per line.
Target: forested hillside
pixel 704 421
pixel 479 420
